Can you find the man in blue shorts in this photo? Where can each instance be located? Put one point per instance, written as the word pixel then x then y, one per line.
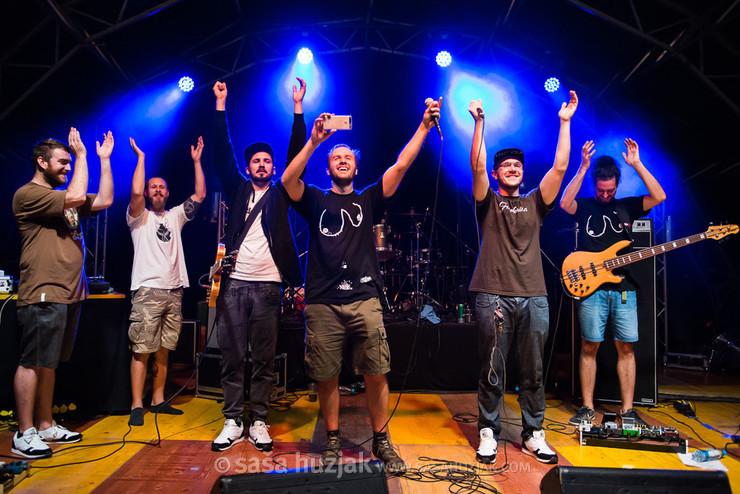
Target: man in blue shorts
pixel 604 221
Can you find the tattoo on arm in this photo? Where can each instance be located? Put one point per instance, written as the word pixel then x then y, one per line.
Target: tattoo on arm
pixel 191 207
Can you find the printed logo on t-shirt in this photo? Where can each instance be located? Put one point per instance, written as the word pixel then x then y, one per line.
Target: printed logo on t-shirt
pixel 343 212
pixel 163 233
pixel 592 233
pixel 346 285
pixel 516 209
pixel 72 218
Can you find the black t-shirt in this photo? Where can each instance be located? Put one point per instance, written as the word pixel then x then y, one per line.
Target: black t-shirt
pixel 342 264
pixel 599 228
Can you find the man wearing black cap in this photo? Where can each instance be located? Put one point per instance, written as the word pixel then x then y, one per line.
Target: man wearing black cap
pixel 248 306
pixel 511 303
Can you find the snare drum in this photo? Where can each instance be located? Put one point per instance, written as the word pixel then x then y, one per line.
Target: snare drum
pixel 383 248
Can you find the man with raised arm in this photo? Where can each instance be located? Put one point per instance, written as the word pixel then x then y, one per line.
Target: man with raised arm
pixel 511 302
pixel 248 305
pixel 52 281
pixel 603 221
pixel 343 281
pixel 158 277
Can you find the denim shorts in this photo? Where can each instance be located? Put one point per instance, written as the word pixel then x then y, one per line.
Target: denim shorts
pixel 607 307
pixel 330 327
pixel 47 333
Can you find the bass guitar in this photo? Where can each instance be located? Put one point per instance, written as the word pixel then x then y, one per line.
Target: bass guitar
pixel 221 266
pixel 583 272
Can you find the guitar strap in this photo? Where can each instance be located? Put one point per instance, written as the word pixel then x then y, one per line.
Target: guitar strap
pixel 627 229
pixel 251 217
pixel 624 219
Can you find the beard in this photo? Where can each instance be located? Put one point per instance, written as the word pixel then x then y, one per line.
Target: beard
pixel 340 181
pixel 56 179
pixel 157 203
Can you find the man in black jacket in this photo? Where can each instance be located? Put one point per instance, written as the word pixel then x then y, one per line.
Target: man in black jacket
pixel 248 307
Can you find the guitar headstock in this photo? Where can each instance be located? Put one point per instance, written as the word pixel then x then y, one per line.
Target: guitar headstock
pixel 721 231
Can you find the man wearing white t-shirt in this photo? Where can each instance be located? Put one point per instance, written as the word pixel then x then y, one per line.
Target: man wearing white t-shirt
pixel 249 303
pixel 158 277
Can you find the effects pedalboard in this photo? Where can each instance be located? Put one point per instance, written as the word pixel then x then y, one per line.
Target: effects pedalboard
pixel 11 474
pixel 631 436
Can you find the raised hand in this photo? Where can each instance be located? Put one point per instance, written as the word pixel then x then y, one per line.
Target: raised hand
pixel 567 110
pixel 104 150
pixel 476 109
pixel 75 143
pixel 318 133
pixel 587 151
pixel 431 113
pixel 219 89
pixel 195 152
pixel 299 91
pixel 632 157
pixel 136 149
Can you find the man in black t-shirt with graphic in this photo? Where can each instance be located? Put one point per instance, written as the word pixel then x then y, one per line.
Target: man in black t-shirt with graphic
pixel 604 221
pixel 343 282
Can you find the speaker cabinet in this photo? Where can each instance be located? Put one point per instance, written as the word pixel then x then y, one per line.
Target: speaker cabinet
pixel 607 381
pixel 586 480
pixel 350 478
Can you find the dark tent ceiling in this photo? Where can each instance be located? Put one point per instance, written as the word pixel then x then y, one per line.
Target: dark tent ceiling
pixel 679 60
pixel 676 58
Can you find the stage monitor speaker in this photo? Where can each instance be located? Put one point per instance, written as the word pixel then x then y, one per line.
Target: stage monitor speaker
pixel 607 381
pixel 586 480
pixel 350 478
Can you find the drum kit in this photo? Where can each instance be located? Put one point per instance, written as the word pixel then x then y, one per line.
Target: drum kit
pixel 414 274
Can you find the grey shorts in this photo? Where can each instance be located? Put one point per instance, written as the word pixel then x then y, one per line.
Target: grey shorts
pixel 156 319
pixel 47 333
pixel 358 324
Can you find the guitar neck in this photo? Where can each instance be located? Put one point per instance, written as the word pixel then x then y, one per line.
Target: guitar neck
pixel 649 252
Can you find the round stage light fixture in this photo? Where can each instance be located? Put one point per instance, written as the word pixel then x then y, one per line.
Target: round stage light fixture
pixel 305 56
pixel 552 84
pixel 444 59
pixel 186 84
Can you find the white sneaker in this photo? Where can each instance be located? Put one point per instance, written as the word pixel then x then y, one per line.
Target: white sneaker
pixel 259 436
pixel 30 445
pixel 488 447
pixel 231 434
pixel 537 447
pixel 58 434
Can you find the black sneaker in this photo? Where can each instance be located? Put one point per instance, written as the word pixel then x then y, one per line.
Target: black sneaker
pixel 632 414
pixel 383 451
pixel 332 451
pixel 585 414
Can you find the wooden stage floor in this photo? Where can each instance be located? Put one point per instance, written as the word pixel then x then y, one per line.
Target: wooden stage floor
pixel 426 428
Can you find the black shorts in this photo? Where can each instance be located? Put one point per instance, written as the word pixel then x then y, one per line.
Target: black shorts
pixel 47 333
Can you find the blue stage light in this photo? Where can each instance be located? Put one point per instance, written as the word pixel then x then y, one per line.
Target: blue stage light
pixel 444 59
pixel 552 84
pixel 186 84
pixel 305 56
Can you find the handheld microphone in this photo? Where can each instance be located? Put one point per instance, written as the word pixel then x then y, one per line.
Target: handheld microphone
pixel 480 113
pixel 429 102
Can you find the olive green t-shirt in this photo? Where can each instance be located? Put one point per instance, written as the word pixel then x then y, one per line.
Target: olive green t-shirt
pixel 52 246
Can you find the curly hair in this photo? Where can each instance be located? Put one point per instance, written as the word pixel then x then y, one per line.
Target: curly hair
pixel 605 168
